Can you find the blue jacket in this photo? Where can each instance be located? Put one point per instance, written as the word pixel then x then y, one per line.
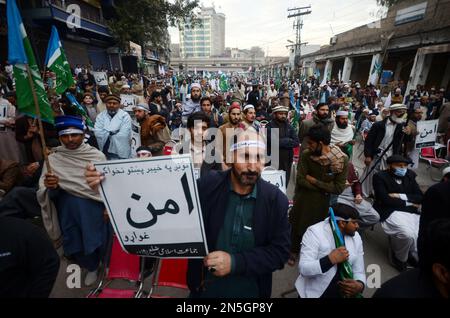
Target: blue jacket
pixel 270 225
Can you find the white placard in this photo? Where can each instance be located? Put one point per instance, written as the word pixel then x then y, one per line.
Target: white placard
pixel 128 102
pixel 154 206
pixel 3 112
pixel 427 133
pixel 135 138
pixel 277 178
pixel 101 78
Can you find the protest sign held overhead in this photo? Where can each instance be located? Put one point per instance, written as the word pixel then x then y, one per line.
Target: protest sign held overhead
pixel 101 78
pixel 128 102
pixel 427 133
pixel 149 220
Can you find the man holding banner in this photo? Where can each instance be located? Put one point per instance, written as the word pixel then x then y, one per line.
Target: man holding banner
pixel 246 226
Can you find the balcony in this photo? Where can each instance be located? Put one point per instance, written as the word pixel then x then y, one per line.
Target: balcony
pixel 91 16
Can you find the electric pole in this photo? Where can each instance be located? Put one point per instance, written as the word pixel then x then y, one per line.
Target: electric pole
pixel 298 14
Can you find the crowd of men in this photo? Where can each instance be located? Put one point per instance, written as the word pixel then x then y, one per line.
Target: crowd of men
pixel 250 233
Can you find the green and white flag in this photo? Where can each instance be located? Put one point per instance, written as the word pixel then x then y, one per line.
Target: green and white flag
pixel 21 56
pixel 56 62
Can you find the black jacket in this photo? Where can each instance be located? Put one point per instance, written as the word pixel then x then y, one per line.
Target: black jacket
pixel 435 206
pixel 376 135
pixel 270 225
pixel 384 183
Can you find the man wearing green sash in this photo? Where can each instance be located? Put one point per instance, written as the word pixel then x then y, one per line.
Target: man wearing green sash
pixel 331 259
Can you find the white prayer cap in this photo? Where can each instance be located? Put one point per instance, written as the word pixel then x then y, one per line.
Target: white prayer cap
pixel 249 106
pixel 342 113
pixel 196 85
pixel 445 172
pixel 126 86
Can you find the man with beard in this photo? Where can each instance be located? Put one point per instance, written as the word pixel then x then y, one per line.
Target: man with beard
pixel 246 226
pixel 322 171
pixel 288 140
pixel 386 137
pixel 113 130
pixel 193 105
pixel 397 199
pixel 320 260
pixel 227 130
pixel 397 98
pixel 72 213
pixel 322 116
pixel 154 130
pixel 343 134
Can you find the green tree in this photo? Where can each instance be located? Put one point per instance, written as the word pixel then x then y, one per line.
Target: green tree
pixel 144 21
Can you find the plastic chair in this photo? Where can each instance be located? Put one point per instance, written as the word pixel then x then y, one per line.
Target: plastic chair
pixel 171 273
pixel 296 154
pixel 430 155
pixel 121 266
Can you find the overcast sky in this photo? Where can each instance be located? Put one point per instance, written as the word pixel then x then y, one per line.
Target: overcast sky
pixel 264 23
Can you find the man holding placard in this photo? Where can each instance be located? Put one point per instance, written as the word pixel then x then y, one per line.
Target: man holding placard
pixel 245 221
pixel 246 227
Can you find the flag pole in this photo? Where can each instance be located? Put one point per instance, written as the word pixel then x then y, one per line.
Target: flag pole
pixel 38 113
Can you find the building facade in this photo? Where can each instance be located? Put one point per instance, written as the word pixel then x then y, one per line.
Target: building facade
pixel 412 44
pixel 205 39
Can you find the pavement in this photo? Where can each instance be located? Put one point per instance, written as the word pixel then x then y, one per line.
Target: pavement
pixel 375 254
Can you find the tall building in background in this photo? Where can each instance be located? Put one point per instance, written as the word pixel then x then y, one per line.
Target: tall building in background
pixel 205 39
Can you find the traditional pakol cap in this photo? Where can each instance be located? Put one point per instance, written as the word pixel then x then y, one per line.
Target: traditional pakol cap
pixel 280 109
pixel 234 105
pixel 398 159
pixel 113 97
pixel 143 107
pixel 398 107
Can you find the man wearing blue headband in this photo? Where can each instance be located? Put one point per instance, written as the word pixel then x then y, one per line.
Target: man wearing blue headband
pixel 72 213
pixel 320 259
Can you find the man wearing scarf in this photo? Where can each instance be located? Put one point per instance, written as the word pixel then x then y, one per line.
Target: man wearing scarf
pixel 343 134
pixel 113 130
pixel 322 171
pixel 72 213
pixel 321 116
pixel 322 260
pixel 154 130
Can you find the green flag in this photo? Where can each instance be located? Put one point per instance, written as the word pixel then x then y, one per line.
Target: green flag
pixel 21 56
pixel 56 62
pixel 224 83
